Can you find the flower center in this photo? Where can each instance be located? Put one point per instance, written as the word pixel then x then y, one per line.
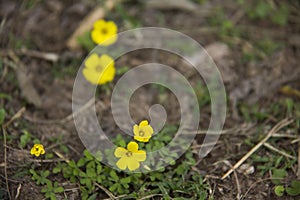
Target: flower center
pixel 36 149
pixel 141 133
pixel 129 154
pixel 98 68
pixel 104 31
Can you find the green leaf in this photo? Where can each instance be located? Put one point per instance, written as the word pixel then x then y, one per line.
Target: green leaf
pixel 278 174
pixel 44 190
pixel 122 70
pixel 294 190
pixel 56 170
pixel 99 169
pixel 91 165
pixel 88 155
pixel 113 187
pixel 279 190
pixel 24 139
pixel 125 180
pixel 80 162
pixel 5 96
pixel 45 173
pixel 59 190
pixel 49 155
pixel 114 175
pixel 76 171
pixel 86 41
pixel 52 196
pixel 93 197
pixel 64 148
pixel 72 164
pixel 82 174
pixel 2 116
pixel 91 172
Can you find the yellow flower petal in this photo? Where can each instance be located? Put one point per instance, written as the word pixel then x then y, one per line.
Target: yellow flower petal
pixel 122 163
pixel 142 139
pixel 148 129
pixel 104 32
pixel 112 27
pixel 37 150
pixel 91 76
pixel 133 147
pixel 135 129
pixel 140 155
pixel 108 75
pixel 108 40
pixel 99 24
pixel 106 60
pixel 120 152
pixel 99 70
pixel 143 123
pixel 133 165
pixel 142 132
pixel 42 151
pixel 92 61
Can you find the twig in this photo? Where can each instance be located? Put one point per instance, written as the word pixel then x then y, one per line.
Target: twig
pixel 5 162
pixel 43 55
pixel 298 171
pixel 61 156
pixel 284 136
pixel 276 128
pixel 105 190
pixel 2 24
pixel 32 53
pixel 150 196
pixel 295 140
pixel 238 186
pixel 47 161
pixel 18 191
pixel 16 116
pixel 278 151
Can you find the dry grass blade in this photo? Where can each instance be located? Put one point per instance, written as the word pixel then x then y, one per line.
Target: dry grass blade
pixel 278 151
pixel 18 191
pixel 5 162
pixel 276 128
pixel 16 116
pixel 298 171
pixel 106 191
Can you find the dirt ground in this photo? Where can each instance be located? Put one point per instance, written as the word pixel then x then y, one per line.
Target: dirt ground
pixel 258 60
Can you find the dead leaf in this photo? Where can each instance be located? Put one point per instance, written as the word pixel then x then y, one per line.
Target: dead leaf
pixel 27 89
pixel 221 55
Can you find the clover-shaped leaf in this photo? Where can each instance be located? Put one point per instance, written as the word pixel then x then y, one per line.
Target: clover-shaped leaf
pixel 279 190
pixel 294 190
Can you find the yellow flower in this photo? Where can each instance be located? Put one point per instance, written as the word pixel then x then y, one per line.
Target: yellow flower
pixel 104 32
pixel 131 157
pixel 99 70
pixel 143 131
pixel 37 150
